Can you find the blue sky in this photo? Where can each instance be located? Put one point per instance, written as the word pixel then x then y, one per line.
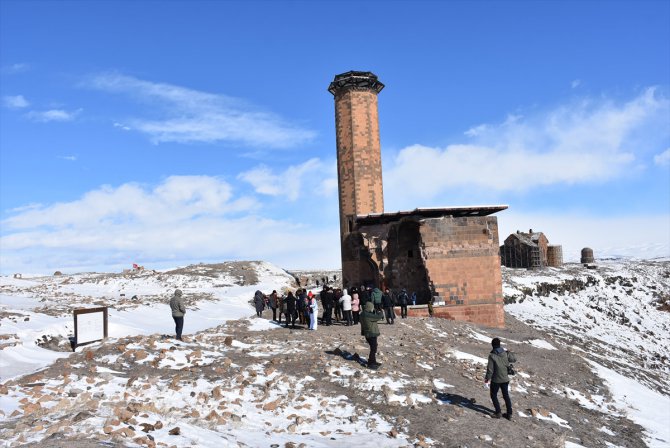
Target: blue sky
pixel 167 133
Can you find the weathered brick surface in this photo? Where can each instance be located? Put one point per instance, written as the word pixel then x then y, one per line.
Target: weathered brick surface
pixel 455 259
pixel 358 155
pixel 490 316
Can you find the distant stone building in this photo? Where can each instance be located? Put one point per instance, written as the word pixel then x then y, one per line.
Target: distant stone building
pixel 530 250
pixel 448 255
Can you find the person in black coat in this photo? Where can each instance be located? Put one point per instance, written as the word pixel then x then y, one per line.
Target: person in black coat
pixel 403 300
pixel 387 303
pixel 327 300
pixel 259 303
pixel 290 307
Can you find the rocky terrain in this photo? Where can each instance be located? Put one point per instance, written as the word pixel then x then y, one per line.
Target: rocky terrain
pixel 249 382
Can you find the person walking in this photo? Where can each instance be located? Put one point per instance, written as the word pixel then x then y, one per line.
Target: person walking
pixel 313 313
pixel 387 303
pixel 259 302
pixel 403 299
pixel 355 305
pixel 345 303
pixel 178 311
pixel 370 330
pixel 414 298
pixel 497 377
pixel 290 308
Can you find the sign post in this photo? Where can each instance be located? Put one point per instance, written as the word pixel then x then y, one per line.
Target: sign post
pixel 90 325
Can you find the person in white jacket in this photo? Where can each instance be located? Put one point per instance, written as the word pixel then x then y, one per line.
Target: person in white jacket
pixel 313 313
pixel 345 300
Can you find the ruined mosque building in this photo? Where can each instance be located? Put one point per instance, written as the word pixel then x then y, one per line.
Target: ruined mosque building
pixel 449 254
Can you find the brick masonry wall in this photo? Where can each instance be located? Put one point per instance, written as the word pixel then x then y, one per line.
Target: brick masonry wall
pixel 481 315
pixel 463 263
pixel 358 155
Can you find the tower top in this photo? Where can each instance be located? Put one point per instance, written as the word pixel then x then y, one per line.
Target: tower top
pixel 353 80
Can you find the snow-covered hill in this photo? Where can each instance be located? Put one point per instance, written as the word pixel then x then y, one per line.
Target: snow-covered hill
pixel 593 345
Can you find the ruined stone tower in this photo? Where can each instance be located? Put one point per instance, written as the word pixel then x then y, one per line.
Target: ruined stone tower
pixel 359 160
pixel 448 256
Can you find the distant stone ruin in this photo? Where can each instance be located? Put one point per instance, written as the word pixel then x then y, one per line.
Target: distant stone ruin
pixel 530 250
pixel 445 255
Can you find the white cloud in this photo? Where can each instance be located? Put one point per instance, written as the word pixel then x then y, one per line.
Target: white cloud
pixel 53 115
pixel 639 236
pixel 15 102
pixel 576 83
pixel 184 219
pixel 313 175
pixel 15 68
pixel 590 141
pixel 662 159
pixel 188 115
pixel 70 158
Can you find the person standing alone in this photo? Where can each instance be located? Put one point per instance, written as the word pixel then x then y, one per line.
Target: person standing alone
pixel 496 375
pixel 403 299
pixel 178 311
pixel 370 329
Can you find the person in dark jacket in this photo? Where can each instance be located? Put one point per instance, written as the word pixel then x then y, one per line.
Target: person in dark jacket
pixel 290 308
pixel 496 375
pixel 387 303
pixel 273 304
pixel 337 306
pixel 403 299
pixel 300 305
pixel 370 330
pixel 376 296
pixel 178 311
pixel 327 300
pixel 259 302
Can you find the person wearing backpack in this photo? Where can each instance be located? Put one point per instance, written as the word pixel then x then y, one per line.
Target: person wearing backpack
pixel 497 374
pixel 403 299
pixel 370 329
pixel 376 297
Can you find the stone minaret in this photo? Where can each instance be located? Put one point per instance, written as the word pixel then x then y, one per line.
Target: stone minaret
pixel 359 163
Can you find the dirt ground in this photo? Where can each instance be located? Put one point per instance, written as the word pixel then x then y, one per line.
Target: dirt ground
pixel 415 350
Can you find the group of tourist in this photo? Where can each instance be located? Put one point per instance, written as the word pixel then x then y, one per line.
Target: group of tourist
pixel 337 305
pixel 362 306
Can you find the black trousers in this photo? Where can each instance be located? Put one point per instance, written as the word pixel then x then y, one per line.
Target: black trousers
pixel 505 392
pixel 274 314
pixel 178 325
pixel 403 311
pixel 372 359
pixel 356 316
pixel 290 319
pixel 390 315
pixel 327 315
pixel 347 317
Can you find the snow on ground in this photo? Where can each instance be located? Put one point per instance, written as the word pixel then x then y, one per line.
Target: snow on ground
pixel 646 407
pixel 616 316
pixel 211 301
pixel 610 315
